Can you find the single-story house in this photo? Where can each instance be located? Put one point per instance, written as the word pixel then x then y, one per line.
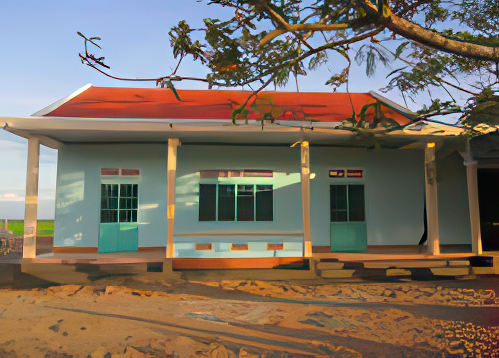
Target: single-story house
pixel 140 170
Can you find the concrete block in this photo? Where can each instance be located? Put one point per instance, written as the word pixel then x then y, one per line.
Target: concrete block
pixel 406 264
pixel 398 272
pixel 459 262
pixel 330 265
pixel 484 270
pixel 337 273
pixel 56 273
pixel 450 271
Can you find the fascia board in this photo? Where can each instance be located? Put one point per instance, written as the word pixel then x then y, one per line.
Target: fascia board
pixel 395 106
pixel 60 102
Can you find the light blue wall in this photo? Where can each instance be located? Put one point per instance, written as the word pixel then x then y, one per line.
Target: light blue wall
pixel 78 191
pixel 453 206
pixel 394 184
pixel 394 190
pixel 287 192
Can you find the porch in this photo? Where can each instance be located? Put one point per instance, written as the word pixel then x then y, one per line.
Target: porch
pixel 347 176
pixel 80 268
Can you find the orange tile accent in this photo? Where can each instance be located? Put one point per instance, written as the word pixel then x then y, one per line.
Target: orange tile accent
pixel 130 172
pixel 203 246
pixel 275 246
pixel 321 249
pixel 239 247
pixel 110 171
pixel 152 248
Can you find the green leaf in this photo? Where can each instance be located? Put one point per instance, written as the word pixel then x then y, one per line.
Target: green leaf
pixel 395 71
pixel 401 48
pixel 169 84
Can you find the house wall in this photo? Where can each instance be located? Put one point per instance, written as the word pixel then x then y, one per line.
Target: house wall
pixel 393 179
pixel 284 161
pixel 453 206
pixel 394 192
pixel 77 213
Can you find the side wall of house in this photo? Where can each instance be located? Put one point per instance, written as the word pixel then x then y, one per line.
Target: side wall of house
pixel 393 179
pixel 287 223
pixel 77 213
pixel 394 192
pixel 453 207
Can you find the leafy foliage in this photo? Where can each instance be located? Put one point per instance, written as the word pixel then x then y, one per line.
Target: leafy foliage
pixel 267 42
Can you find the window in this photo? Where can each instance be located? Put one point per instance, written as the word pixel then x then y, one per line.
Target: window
pixel 347 203
pixel 119 203
pixel 235 202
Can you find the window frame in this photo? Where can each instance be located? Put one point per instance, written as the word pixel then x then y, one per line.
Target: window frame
pixel 233 181
pixel 119 181
pixel 348 184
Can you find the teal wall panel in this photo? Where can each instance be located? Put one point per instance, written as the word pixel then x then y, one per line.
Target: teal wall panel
pixel 128 237
pixel 108 237
pixel 349 236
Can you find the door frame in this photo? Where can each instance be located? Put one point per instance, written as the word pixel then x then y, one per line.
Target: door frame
pixel 118 180
pixel 349 181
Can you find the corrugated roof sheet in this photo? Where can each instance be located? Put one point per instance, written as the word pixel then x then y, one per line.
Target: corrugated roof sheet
pixel 113 102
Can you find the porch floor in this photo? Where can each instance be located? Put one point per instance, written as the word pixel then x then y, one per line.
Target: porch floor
pixel 158 255
pixel 125 257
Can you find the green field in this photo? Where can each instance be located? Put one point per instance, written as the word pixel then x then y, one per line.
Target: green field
pixel 45 227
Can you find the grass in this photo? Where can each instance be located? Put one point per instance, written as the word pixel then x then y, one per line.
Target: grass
pixel 45 227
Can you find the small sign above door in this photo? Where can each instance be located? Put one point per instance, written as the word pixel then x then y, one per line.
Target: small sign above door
pixel 337 173
pixel 346 173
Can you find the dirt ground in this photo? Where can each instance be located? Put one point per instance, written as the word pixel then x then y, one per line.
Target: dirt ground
pixel 148 316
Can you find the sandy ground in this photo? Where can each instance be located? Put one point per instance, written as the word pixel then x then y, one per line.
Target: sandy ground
pixel 151 317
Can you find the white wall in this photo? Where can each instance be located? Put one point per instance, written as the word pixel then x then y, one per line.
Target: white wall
pixel 287 192
pixel 394 189
pixel 78 191
pixel 394 185
pixel 453 206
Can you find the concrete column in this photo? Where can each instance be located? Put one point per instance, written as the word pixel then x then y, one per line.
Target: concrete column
pixel 431 200
pixel 305 198
pixel 31 203
pixel 476 236
pixel 173 143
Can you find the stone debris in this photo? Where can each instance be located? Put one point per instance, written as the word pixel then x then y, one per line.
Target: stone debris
pixel 56 326
pixel 400 294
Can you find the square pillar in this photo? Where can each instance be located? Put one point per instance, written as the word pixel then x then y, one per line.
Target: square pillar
pixel 305 198
pixel 173 143
pixel 31 201
pixel 431 200
pixel 472 181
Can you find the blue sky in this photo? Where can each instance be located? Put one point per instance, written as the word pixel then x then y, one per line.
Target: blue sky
pixel 39 64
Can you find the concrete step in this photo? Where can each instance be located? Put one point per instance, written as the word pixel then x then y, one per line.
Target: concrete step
pixel 330 265
pixel 336 273
pixel 397 272
pixel 406 264
pixel 451 271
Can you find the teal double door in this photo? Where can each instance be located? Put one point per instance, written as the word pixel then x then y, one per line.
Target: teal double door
pixel 118 217
pixel 348 218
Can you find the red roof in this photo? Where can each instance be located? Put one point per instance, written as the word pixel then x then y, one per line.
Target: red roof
pixel 111 102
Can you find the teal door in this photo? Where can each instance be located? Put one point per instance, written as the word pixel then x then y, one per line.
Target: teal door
pixel 348 218
pixel 119 209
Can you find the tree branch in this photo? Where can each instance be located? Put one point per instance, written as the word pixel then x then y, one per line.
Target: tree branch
pixel 414 32
pixel 310 27
pixel 157 80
